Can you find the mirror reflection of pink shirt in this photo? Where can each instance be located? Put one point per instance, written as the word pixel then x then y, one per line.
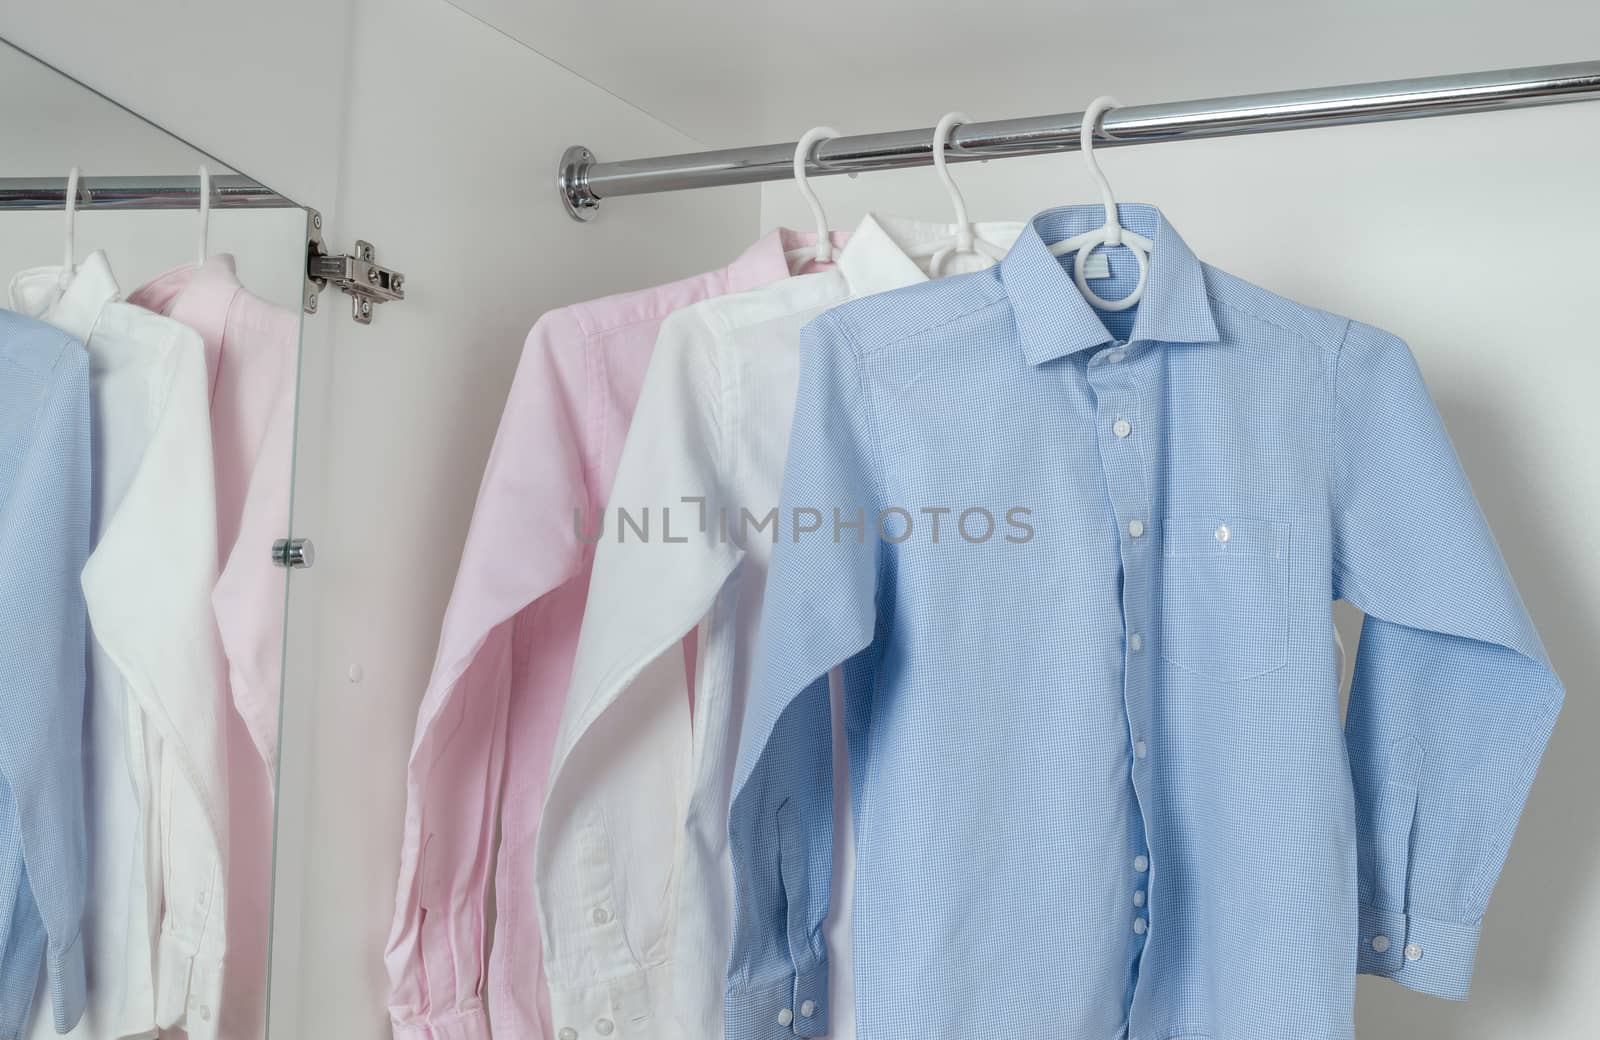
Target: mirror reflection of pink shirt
pixel 487 723
pixel 251 351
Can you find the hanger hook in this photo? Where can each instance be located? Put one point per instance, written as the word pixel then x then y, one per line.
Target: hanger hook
pixel 941 141
pixel 802 156
pixel 1091 124
pixel 205 210
pixel 1112 233
pixel 70 264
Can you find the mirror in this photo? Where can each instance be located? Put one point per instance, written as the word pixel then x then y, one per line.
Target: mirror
pixel 148 368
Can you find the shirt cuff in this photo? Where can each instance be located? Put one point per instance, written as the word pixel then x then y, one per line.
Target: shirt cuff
pixel 793 1006
pixel 634 1006
pixel 1421 953
pixel 68 985
pixel 462 1024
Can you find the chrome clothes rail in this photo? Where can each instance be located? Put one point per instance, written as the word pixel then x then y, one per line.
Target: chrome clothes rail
pixel 583 180
pixel 228 191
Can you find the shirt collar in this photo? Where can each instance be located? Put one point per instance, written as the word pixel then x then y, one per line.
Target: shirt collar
pixel 1053 318
pixel 200 296
pixel 71 300
pixel 886 253
pixel 206 288
pixel 881 254
pixel 765 262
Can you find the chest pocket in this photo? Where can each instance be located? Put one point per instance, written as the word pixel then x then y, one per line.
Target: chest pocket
pixel 1224 590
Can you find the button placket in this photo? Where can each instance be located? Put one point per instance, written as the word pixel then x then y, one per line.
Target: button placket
pixel 1118 417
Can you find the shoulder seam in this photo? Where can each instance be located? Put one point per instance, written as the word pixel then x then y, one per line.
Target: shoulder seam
pixel 717 328
pixel 879 476
pixel 1256 315
pixel 920 329
pixel 61 341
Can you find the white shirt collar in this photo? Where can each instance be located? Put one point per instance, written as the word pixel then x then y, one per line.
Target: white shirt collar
pixel 71 300
pixel 887 253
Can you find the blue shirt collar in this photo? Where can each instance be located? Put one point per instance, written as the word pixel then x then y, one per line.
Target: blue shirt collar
pixel 1053 318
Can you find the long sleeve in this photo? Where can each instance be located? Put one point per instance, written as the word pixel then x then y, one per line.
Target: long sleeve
pixel 1452 699
pixel 621 773
pixel 822 611
pixel 44 540
pixel 522 545
pixel 148 589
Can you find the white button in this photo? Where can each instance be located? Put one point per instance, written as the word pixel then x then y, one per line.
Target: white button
pixel 1223 533
pixel 1138 898
pixel 1135 528
pixel 1139 749
pixel 603 1026
pixel 1380 944
pixel 205 1012
pixel 1139 926
pixel 1141 864
pixel 808 1009
pixel 1136 642
pixel 567 1033
pixel 1413 952
pixel 785 1017
pixel 601 915
pixel 1116 356
pixel 1121 428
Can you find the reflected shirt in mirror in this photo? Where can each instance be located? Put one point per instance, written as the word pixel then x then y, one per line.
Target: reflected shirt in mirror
pixel 1100 783
pixel 251 349
pixel 45 499
pixel 157 803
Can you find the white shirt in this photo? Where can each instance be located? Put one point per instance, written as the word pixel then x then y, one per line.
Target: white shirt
pixel 632 868
pixel 156 785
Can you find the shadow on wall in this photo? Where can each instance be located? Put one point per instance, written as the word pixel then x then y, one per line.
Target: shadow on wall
pixel 1550 871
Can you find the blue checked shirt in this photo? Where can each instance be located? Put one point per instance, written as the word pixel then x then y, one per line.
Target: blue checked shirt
pixel 1100 784
pixel 44 542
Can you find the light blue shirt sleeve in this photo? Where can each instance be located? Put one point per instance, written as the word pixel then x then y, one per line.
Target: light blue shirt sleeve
pixel 1453 698
pixel 45 491
pixel 821 611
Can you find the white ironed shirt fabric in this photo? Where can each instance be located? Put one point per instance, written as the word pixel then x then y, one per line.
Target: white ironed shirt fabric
pixel 635 896
pixel 156 787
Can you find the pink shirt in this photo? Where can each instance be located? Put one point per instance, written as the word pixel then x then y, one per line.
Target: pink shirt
pixel 487 723
pixel 251 351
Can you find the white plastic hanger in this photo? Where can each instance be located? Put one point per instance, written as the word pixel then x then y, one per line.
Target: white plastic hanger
pixel 1113 233
pixel 205 211
pixel 69 265
pixel 822 252
pixel 965 240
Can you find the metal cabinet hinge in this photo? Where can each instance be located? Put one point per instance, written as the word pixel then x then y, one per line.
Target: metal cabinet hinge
pixel 357 275
pixel 294 552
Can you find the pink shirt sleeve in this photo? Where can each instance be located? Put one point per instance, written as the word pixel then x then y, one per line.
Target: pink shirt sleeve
pixel 522 546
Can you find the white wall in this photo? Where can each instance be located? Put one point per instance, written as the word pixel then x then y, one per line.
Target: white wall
pixel 1472 239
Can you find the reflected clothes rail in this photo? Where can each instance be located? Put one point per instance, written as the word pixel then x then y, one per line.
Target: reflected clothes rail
pixel 583 180
pixel 356 274
pixel 228 191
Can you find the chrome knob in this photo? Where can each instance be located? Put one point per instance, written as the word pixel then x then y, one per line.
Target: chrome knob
pixel 293 552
